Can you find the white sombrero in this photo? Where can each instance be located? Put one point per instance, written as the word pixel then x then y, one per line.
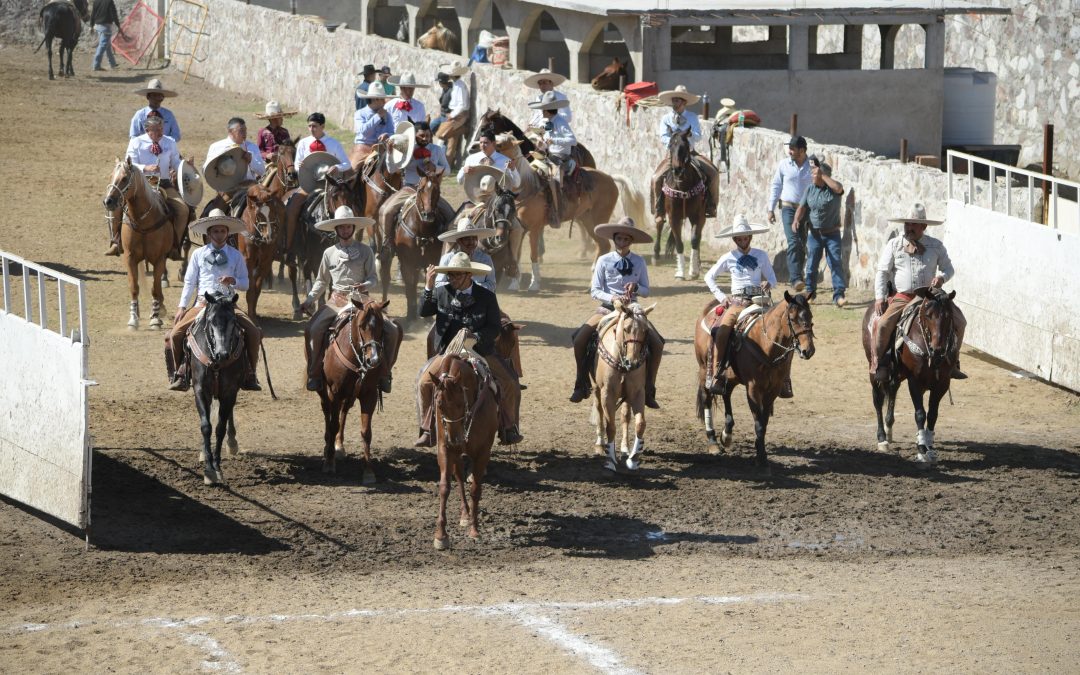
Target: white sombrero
pixel 549 102
pixel 461 262
pixel 155 86
pixel 624 226
pixel 400 146
pixel 918 215
pixel 465 229
pixel 533 81
pixel 191 185
pixel 742 228
pixel 376 90
pixel 678 92
pixel 343 215
pixel 226 170
pixel 407 80
pixel 727 106
pixel 473 180
pixel 273 109
pixel 454 68
pixel 313 168
pixel 217 217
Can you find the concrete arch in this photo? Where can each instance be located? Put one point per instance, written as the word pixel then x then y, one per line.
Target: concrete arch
pixel 537 51
pixel 599 48
pixel 385 20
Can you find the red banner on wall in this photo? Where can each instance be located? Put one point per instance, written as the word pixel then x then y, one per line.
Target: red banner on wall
pixel 138 32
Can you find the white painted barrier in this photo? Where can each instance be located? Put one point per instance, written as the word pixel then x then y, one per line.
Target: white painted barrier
pixel 44 431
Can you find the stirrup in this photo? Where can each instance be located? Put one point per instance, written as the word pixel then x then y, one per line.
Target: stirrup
pixel 580 394
pixel 425 440
pixel 251 383
pixel 179 383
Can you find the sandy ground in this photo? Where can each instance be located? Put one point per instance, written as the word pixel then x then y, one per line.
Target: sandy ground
pixel 845 558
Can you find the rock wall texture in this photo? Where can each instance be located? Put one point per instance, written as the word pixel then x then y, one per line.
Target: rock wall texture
pixel 19 22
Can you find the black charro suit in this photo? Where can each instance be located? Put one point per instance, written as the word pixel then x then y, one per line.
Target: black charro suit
pixel 477 310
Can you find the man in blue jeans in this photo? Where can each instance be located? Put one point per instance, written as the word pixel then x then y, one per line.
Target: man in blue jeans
pixel 103 17
pixel 789 184
pixel 823 202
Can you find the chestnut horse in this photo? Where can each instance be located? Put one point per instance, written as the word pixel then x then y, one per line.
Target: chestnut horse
pixel 760 360
pixel 608 78
pixel 684 190
pixel 352 365
pixel 466 421
pixel 410 225
pixel 495 120
pixel 264 218
pixel 925 361
pixel 374 185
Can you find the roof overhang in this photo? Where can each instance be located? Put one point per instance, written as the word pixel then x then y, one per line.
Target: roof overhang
pixel 780 11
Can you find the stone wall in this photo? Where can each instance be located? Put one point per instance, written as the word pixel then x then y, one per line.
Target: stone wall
pixel 19 23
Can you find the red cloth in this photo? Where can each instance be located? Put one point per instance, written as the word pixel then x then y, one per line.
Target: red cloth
pixel 636 91
pixel 317 146
pixel 155 148
pixel 404 105
pixel 421 153
pixel 719 310
pixel 749 118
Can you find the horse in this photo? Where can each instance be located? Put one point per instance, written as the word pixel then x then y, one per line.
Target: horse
pixel 352 366
pixel 215 347
pixel 925 361
pixel 374 185
pixel 148 231
pixel 63 21
pixel 608 78
pixel 410 226
pixel 282 180
pixel 439 37
pixel 500 214
pixel 619 379
pixel 495 120
pixel 466 421
pixel 264 217
pixel 760 360
pixel 684 190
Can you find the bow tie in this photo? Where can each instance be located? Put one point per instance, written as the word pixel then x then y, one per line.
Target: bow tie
pixel 913 247
pixel 155 148
pixel 217 257
pixel 404 105
pixel 549 126
pixel 421 153
pixel 748 261
pixel 318 146
pixel 624 267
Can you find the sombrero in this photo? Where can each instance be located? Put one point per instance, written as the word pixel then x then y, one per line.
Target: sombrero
pixel 454 68
pixel 624 226
pixel 401 145
pixel 312 169
pixel 343 215
pixel 918 215
pixel 475 176
pixel 742 228
pixel 155 86
pixel 191 186
pixel 549 102
pixel 217 217
pixel 407 80
pixel 533 81
pixel 461 262
pixel 273 109
pixel 678 92
pixel 376 90
pixel 465 229
pixel 727 107
pixel 225 170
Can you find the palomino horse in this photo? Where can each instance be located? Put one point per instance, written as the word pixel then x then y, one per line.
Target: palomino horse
pixel 63 21
pixel 353 364
pixel 684 190
pixel 608 78
pixel 439 37
pixel 500 214
pixel 619 379
pixel 215 346
pixel 495 120
pixel 148 231
pixel 466 421
pixel 374 185
pixel 761 361
pixel 264 217
pixel 410 227
pixel 925 361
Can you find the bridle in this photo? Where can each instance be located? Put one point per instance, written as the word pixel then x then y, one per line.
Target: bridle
pixel 934 356
pixel 796 345
pixel 444 380
pixel 620 362
pixel 122 190
pixel 360 347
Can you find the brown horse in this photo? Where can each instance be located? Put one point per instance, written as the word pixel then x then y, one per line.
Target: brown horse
pixel 439 37
pixel 926 361
pixel 466 421
pixel 684 188
pixel 410 225
pixel 619 379
pixel 495 120
pixel 374 185
pixel 149 231
pixel 760 360
pixel 352 366
pixel 264 217
pixel 500 214
pixel 608 78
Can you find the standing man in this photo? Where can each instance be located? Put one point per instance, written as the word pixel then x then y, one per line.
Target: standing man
pixel 788 187
pixel 155 93
pixel 822 201
pixel 405 108
pixel 103 17
pixel 451 129
pixel 546 81
pixel 359 97
pixel 273 134
pixel 444 82
pixel 372 124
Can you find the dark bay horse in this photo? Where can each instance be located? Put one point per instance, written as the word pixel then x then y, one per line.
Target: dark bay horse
pixel 500 214
pixel 762 362
pixel 684 188
pixel 264 217
pixel 374 185
pixel 493 119
pixel 62 21
pixel 466 421
pixel 310 243
pixel 926 361
pixel 410 228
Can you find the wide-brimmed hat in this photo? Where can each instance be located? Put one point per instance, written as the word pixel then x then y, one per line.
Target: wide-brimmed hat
pixel 225 170
pixel 475 176
pixel 273 109
pixel 454 68
pixel 549 102
pixel 465 229
pixel 533 81
pixel 461 262
pixel 741 227
pixel 624 226
pixel 407 80
pixel 727 106
pixel 155 86
pixel 678 92
pixel 918 215
pixel 343 215
pixel 369 69
pixel 217 217
pixel 190 183
pixel 376 90
pixel 400 146
pixel 312 169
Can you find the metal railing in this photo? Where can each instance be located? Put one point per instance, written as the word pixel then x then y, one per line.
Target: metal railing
pixel 44 275
pixel 995 169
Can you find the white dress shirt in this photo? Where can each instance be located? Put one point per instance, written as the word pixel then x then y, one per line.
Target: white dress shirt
pixel 746 269
pixel 608 281
pixel 438 158
pixel 202 277
pixel 138 151
pixel 257 165
pixel 789 183
pixel 537 119
pixel 459 98
pixel 560 138
pixel 303 149
pixel 671 123
pixel 417 114
pixel 498 160
pixel 910 271
pixel 478 255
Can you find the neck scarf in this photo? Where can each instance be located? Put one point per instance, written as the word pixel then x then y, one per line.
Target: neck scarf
pixel 747 261
pixel 217 256
pixel 421 153
pixel 318 146
pixel 404 105
pixel 913 247
pixel 624 266
pixel 155 148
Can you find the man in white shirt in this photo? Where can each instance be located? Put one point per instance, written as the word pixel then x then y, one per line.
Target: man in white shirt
pixel 318 141
pixel 256 165
pixel 545 81
pixel 557 141
pixel 425 151
pixel 405 108
pixel 451 129
pixel 487 156
pixel 679 120
pixel 788 188
pixel 158 158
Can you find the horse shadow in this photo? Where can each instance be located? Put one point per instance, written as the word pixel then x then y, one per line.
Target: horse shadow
pixel 740 468
pixel 822 461
pixel 547 334
pixel 989 456
pixel 393 474
pixel 562 466
pixel 275 327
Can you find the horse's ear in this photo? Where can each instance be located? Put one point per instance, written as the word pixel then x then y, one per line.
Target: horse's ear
pixel 127 160
pixel 649 309
pixel 357 303
pixel 923 292
pixel 234 299
pixel 209 297
pixel 787 296
pixel 952 295
pixel 384 304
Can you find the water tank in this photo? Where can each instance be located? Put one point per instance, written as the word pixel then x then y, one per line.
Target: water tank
pixel 968 113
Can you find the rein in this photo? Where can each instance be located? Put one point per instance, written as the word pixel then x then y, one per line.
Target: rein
pixel 363 365
pixel 470 412
pixel 132 221
pixel 786 350
pixel 620 362
pixel 413 204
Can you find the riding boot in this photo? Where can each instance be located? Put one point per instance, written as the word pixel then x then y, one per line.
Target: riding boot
pixel 956 373
pixel 315 365
pixel 785 388
pixel 710 205
pixel 251 381
pixel 181 380
pixel 582 386
pixel 721 336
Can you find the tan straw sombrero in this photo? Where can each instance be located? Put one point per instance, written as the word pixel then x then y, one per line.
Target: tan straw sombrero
pixel 549 102
pixel 155 86
pixel 312 169
pixel 533 81
pixel 225 170
pixel 401 145
pixel 217 217
pixel 741 227
pixel 465 229
pixel 454 68
pixel 407 80
pixel 475 177
pixel 918 215
pixel 273 109
pixel 191 184
pixel 343 215
pixel 461 262
pixel 624 226
pixel 678 92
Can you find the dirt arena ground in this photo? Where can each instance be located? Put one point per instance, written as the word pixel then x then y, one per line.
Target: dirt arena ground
pixel 845 558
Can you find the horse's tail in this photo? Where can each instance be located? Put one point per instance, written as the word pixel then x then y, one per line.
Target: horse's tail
pixel 701 402
pixel 41 44
pixel 633 200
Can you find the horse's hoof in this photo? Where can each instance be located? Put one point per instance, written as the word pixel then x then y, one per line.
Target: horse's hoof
pixel 680 277
pixel 534 287
pixel 206 480
pixel 514 285
pixel 328 467
pixel 464 522
pixel 133 325
pixel 231 447
pixel 927 457
pixel 164 282
pixel 369 477
pixel 297 315
pixel 599 450
pixel 726 439
pixel 610 466
pixel 155 323
pixel 442 544
pixel 883 446
pixel 633 463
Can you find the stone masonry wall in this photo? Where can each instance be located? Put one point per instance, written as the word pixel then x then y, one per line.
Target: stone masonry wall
pixel 19 23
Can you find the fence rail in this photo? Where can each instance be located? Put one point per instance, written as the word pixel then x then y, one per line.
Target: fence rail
pixel 63 281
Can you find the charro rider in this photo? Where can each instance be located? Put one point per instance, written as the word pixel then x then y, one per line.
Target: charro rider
pixel 273 134
pixel 405 108
pixel 216 267
pixel 373 124
pixel 155 93
pixel 346 268
pixel 557 141
pixel 546 81
pixel 678 120
pixel 486 156
pixel 246 152
pixel 425 151
pixel 619 273
pixel 909 262
pixel 318 141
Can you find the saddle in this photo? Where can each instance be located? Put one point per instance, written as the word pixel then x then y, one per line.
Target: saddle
pixel 477 362
pixel 314 209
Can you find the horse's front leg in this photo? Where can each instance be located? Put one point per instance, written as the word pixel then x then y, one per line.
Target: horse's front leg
pixel 409 277
pixel 296 313
pixel 761 425
pixel 924 439
pixel 726 439
pixel 608 402
pixel 367 409
pixel 442 542
pixel 159 297
pixel 330 422
pixel 203 402
pixel 225 410
pixel 656 242
pixel 459 476
pixel 878 392
pixel 534 257
pixel 479 470
pixel 231 446
pixel 133 287
pixel 695 245
pixel 339 438
pixel 637 406
pixel 676 233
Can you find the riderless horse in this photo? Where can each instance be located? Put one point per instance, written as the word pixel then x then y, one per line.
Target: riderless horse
pixel 684 188
pixel 439 37
pixel 761 350
pixel 924 357
pixel 608 78
pixel 264 218
pixel 63 21
pixel 410 226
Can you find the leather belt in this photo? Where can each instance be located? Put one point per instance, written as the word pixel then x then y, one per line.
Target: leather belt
pixel 791 205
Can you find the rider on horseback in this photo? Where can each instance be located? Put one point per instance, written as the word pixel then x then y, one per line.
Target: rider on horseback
pixel 619 273
pixel 214 267
pixel 155 93
pixel 248 152
pixel 405 108
pixel 558 140
pixel 546 81
pixel 318 141
pixel 273 134
pixel 373 124
pixel 909 262
pixel 678 120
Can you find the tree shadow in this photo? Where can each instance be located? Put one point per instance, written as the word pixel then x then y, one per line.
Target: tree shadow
pixel 78 273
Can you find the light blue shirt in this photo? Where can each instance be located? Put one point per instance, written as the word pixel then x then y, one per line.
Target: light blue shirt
pixel 369 126
pixel 202 277
pixel 789 183
pixel 560 138
pixel 170 126
pixel 438 158
pixel 479 256
pixel 537 119
pixel 670 124
pixel 743 272
pixel 608 281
